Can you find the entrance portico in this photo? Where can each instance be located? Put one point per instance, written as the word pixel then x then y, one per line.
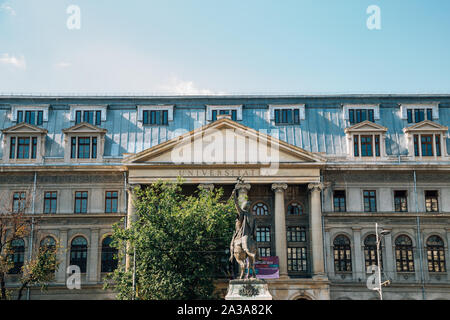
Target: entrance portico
pixel 289 167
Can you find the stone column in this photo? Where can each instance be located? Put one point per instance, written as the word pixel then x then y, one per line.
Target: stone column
pixel 329 254
pixel 62 256
pixel 359 272
pixel 93 256
pixel 206 186
pixel 447 254
pixel 131 217
pixel 316 230
pixel 280 227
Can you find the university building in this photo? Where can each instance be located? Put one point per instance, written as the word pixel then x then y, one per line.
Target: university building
pixel 319 172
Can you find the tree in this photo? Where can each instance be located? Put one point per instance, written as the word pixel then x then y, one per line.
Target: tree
pixel 15 226
pixel 180 243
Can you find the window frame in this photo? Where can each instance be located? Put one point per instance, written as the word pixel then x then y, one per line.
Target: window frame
pixel 81 199
pixel 53 201
pixel 437 263
pixel 370 197
pixel 83 250
pixel 339 208
pixel 110 264
pixel 431 204
pixel 342 255
pixel 111 199
pixel 404 255
pixel 401 203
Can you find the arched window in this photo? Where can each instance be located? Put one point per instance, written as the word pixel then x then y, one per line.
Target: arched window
pixel 342 254
pixel 370 251
pixel 108 253
pixel 435 254
pixel 17 255
pixel 295 209
pixel 78 253
pixel 260 209
pixel 48 242
pixel 404 255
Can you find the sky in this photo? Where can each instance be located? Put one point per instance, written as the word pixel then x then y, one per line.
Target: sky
pixel 210 47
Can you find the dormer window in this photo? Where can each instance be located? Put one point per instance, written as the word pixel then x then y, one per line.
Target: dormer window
pixel 92 114
pixel 427 139
pixel 35 115
pixel 25 143
pixel 366 141
pixel 84 142
pixel 415 113
pixel 357 113
pixel 155 114
pixel 235 111
pixel 287 114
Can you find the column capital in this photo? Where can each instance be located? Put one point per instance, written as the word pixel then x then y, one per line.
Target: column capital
pixel 130 187
pixel 206 186
pixel 316 187
pixel 279 187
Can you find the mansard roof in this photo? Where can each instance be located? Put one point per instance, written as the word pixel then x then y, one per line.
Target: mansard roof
pixel 366 126
pixel 162 151
pixel 24 127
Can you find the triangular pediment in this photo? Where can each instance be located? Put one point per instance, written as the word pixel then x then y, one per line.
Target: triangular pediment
pixel 84 127
pixel 24 127
pixel 224 141
pixel 366 126
pixel 426 125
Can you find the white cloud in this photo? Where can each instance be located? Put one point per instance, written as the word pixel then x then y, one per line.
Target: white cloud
pixel 63 64
pixel 7 7
pixel 18 62
pixel 180 87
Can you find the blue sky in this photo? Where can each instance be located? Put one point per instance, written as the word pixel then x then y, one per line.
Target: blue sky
pixel 224 47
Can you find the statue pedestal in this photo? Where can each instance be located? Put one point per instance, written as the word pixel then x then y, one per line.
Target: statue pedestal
pixel 248 289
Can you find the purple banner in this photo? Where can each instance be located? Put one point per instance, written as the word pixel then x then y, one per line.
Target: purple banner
pixel 267 268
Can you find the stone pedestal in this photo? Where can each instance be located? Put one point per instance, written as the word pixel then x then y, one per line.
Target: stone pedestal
pixel 248 289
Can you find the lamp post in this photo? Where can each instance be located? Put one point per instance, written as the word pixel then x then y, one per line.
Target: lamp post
pixel 379 237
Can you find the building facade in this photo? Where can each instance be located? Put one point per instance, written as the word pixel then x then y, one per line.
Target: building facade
pixel 319 171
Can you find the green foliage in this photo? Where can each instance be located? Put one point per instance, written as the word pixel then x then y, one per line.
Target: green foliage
pixel 181 243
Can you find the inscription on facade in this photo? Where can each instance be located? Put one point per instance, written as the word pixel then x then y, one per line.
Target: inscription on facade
pixel 218 172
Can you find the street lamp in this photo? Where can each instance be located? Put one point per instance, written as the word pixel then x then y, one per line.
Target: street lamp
pixel 379 237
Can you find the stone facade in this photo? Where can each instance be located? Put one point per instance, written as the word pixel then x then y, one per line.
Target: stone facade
pixel 335 177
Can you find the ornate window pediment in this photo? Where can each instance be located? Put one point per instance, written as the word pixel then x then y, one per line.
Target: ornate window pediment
pixel 93 114
pixel 357 113
pixel 32 114
pixel 366 141
pixel 427 140
pixel 23 143
pixel 84 142
pixel 417 112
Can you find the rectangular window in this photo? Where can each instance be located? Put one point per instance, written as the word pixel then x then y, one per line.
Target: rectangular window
pixel 400 201
pixel 19 116
pixel 410 115
pixel 296 259
pixel 427 145
pixel 366 146
pixel 33 147
pixel 351 115
pixel 30 117
pixel 81 198
pixel 84 144
pixel 158 117
pixel 296 234
pixel 430 114
pixel 98 117
pixel 233 115
pixel 145 118
pixel 73 148
pixel 214 115
pixel 416 145
pixel 370 115
pixel 377 146
pixel 438 145
pixel 356 145
pixel 50 202
pixel 94 148
pixel 88 116
pixel 23 148
pixel 339 201
pixel 370 201
pixel 12 148
pixel 40 118
pixel 264 251
pixel 77 117
pixel 263 234
pixel 419 115
pixel 19 201
pixel 287 116
pixel 431 201
pixel 360 115
pixel 111 200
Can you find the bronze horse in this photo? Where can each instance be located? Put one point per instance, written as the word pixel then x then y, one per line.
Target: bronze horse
pixel 243 244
